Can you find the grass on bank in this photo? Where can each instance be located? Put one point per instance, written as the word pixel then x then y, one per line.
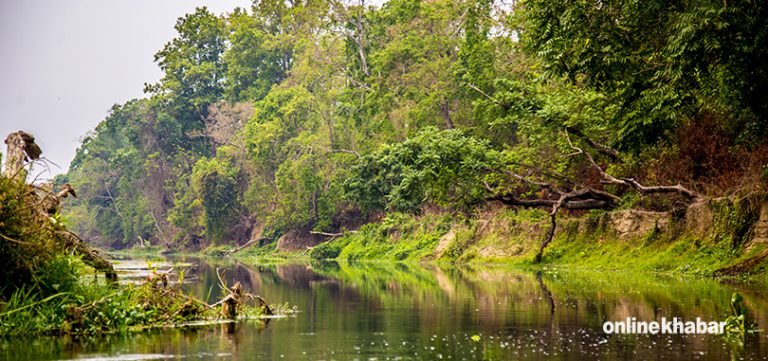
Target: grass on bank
pixel 79 304
pixel 509 236
pixel 513 237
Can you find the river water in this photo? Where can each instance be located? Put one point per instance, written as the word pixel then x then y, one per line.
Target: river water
pixel 389 311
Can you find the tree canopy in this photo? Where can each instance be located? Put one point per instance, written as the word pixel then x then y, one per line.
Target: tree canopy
pixel 297 115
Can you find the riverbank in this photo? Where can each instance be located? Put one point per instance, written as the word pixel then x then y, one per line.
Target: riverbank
pixel 721 237
pixel 49 283
pixel 714 237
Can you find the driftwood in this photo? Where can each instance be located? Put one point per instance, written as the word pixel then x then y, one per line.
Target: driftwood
pixel 91 256
pixel 50 202
pixel 235 299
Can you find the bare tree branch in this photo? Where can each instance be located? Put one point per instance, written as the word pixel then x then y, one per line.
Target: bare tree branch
pixel 246 245
pixel 496 101
pixel 327 234
pixel 662 189
pixel 604 149
pixel 347 151
pixel 679 189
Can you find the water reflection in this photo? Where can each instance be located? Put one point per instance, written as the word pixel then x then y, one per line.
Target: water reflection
pixel 413 312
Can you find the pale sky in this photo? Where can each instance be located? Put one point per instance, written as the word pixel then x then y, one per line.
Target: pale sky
pixel 64 63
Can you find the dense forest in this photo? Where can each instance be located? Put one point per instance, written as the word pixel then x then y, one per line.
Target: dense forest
pixel 320 116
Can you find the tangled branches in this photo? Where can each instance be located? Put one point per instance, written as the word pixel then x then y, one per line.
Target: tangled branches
pixel 579 197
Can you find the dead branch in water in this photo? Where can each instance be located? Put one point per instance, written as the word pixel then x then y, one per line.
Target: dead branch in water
pixel 232 303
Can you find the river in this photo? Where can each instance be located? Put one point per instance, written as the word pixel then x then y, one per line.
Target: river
pixel 391 311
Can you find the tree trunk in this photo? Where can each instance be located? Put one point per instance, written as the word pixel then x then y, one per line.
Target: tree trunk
pixel 91 256
pixel 15 156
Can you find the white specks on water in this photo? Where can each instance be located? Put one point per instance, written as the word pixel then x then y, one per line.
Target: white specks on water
pixel 126 357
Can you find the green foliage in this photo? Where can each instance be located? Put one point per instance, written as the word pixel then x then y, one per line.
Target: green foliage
pixel 92 308
pixel 664 62
pixel 187 211
pixel 398 237
pixel 42 289
pixel 297 176
pixel 328 250
pixel 215 182
pixel 259 55
pixel 300 115
pixel 737 328
pixel 29 244
pixel 194 71
pixel 445 167
pixel 734 220
pixel 125 185
pixel 412 50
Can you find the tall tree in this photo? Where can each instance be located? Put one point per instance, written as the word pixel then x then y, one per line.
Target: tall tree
pixel 192 63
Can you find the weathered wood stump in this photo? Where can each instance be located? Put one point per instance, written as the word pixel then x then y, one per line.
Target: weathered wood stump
pixel 21 148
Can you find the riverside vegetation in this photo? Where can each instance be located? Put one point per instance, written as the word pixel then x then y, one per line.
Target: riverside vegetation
pixel 45 288
pixel 429 129
pixel 598 135
pixel 294 124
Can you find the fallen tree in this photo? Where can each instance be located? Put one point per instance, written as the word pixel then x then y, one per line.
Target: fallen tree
pixel 580 197
pixel 457 171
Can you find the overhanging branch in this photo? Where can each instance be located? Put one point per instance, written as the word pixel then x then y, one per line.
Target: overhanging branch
pixel 644 190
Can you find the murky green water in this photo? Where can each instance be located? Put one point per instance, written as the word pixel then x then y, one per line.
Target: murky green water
pixel 376 311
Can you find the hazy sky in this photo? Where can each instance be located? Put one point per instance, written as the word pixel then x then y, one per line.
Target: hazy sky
pixel 64 63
